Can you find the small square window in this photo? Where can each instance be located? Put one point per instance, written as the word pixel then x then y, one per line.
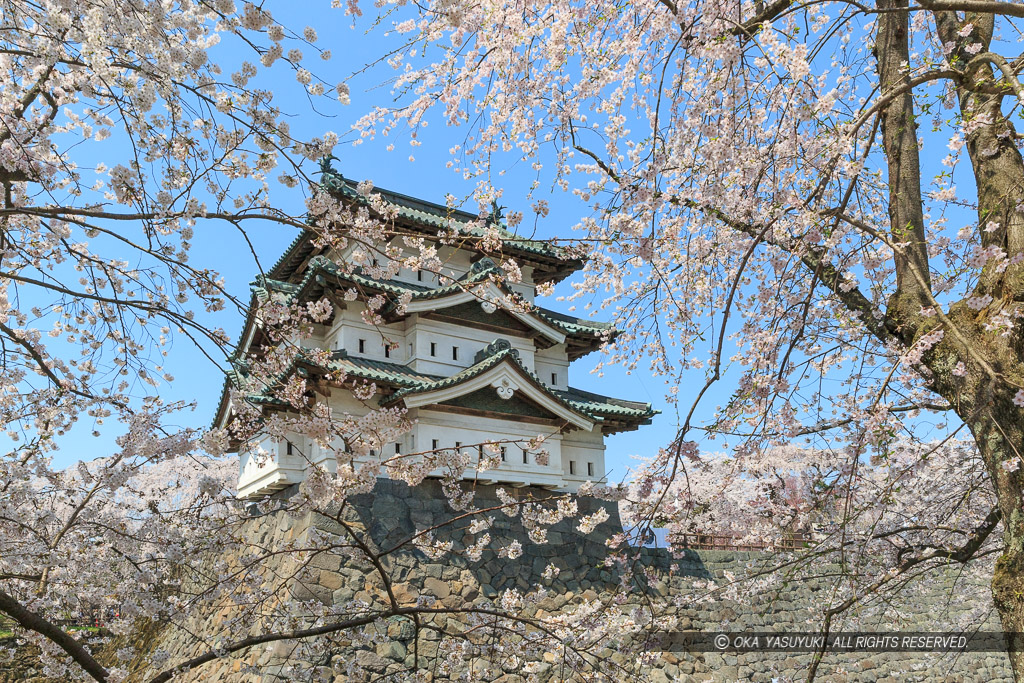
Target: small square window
pixel 572 467
pixel 455 353
pixel 373 451
pixel 433 349
pixel 590 469
pixel 362 346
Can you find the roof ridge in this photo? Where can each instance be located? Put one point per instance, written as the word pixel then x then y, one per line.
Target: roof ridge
pixel 332 180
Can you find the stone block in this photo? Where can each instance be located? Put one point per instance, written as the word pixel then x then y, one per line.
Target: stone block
pixel 436 587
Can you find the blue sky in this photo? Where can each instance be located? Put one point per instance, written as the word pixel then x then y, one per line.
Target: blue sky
pixel 220 246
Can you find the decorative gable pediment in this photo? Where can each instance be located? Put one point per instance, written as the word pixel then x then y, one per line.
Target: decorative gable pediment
pixel 502 374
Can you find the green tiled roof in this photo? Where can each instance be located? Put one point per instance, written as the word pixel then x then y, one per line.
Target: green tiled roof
pixel 554 263
pixel 603 405
pixel 460 377
pixel 379 371
pixel 438 216
pixel 321 265
pixel 593 406
pixel 574 325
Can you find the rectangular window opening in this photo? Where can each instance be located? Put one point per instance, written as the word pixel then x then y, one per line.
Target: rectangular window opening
pixel 554 378
pixel 398 448
pixel 419 275
pixel 387 351
pixel 433 349
pixel 590 469
pixel 288 449
pixel 458 445
pixel 362 346
pixel 503 454
pixel 572 467
pixel 433 444
pixel 526 457
pixel 455 353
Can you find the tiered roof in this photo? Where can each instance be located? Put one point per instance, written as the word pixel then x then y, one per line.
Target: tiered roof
pixel 550 263
pixel 397 383
pixel 305 273
pixel 323 276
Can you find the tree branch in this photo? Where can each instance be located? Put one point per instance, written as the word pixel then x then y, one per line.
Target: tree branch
pixel 1011 9
pixel 33 622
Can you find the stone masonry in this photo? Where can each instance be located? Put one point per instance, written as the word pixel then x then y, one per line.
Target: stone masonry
pixel 394 511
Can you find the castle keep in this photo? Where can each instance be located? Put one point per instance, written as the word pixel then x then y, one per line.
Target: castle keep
pixel 465 351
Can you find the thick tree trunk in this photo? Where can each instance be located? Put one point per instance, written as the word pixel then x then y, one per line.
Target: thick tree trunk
pixel 994 362
pixel 999 438
pixel 984 399
pixel 995 421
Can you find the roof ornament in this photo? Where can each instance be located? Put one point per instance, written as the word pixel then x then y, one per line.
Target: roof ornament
pixel 483 265
pixel 326 167
pixel 330 179
pixel 488 306
pixel 496 213
pixel 494 348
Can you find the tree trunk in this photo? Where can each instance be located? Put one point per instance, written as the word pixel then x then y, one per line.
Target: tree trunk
pixel 983 398
pixel 999 438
